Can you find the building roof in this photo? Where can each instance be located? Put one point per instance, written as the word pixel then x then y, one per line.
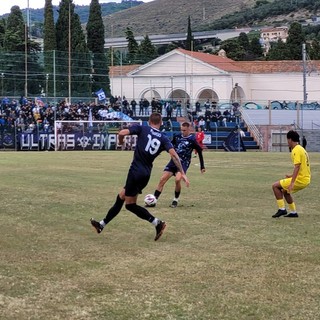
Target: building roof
pixel 229 65
pixel 222 63
pixel 274 29
pixel 279 66
pixel 116 71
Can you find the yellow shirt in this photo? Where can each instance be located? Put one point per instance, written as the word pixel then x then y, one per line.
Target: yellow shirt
pixel 300 156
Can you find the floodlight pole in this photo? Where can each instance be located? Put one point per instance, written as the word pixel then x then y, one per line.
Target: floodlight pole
pixel 26 38
pixel 2 77
pixel 69 55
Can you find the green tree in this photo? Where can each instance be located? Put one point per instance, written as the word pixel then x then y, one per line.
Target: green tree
pixel 68 27
pixel 292 49
pixel 233 49
pixel 190 39
pixel 278 51
pixel 133 47
pixel 147 51
pixel 315 50
pixel 243 41
pixel 165 48
pixel 242 48
pixel 255 49
pixel 20 56
pixel 15 34
pixel 113 57
pixel 2 32
pixel 95 42
pixel 49 46
pixel 295 40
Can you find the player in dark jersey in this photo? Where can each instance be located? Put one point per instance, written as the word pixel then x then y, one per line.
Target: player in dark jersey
pixel 150 143
pixel 184 144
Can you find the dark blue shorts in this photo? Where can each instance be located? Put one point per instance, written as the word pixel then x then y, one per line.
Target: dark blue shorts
pixel 135 183
pixel 171 167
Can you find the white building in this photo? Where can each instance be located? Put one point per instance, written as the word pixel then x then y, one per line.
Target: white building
pixel 182 74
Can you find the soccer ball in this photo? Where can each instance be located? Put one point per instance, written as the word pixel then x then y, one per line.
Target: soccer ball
pixel 150 200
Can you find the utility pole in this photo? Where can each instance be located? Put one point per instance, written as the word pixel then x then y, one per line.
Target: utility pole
pixel 304 55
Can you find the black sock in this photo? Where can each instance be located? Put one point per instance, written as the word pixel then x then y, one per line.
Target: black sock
pixel 114 210
pixel 141 212
pixel 177 194
pixel 157 194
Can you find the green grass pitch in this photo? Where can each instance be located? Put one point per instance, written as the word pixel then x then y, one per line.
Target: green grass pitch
pixel 221 257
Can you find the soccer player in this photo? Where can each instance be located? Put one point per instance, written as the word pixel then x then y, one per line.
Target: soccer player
pixel 184 144
pixel 298 180
pixel 199 138
pixel 150 143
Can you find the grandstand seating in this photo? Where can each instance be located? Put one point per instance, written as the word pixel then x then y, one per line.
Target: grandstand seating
pixel 218 134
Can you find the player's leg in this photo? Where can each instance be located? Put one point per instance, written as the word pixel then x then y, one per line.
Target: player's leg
pixel 298 185
pixel 112 213
pixel 169 170
pixel 280 190
pixel 133 188
pixel 166 175
pixel 278 193
pixel 291 206
pixel 177 190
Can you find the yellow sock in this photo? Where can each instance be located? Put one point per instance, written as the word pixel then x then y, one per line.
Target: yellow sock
pixel 292 207
pixel 281 204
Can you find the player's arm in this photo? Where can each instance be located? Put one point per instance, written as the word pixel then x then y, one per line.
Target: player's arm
pixel 175 158
pixel 174 139
pixel 122 133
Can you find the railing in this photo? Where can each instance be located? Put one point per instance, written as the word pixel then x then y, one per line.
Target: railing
pixel 252 128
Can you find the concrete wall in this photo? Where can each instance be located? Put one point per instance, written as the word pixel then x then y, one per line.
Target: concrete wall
pixel 306 119
pixel 274 138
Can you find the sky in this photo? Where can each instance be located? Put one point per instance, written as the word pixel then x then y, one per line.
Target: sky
pixel 7 4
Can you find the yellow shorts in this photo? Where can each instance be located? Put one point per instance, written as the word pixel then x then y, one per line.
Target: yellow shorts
pixel 298 185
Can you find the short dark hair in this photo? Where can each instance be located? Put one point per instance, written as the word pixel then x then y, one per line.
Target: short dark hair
pixel 185 124
pixel 155 118
pixel 293 135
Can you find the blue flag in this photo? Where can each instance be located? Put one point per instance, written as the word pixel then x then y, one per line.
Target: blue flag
pixel 39 101
pixel 101 95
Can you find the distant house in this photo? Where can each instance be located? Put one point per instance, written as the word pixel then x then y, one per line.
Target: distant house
pixel 269 35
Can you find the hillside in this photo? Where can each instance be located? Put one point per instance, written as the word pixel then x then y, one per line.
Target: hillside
pixel 37 15
pixel 167 16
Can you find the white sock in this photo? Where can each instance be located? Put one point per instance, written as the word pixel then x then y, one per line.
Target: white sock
pixel 155 221
pixel 102 223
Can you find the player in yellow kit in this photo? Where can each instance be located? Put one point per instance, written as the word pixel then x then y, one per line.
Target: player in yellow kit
pixel 298 180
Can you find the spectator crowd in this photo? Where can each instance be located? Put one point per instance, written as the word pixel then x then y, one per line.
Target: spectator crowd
pixel 28 115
